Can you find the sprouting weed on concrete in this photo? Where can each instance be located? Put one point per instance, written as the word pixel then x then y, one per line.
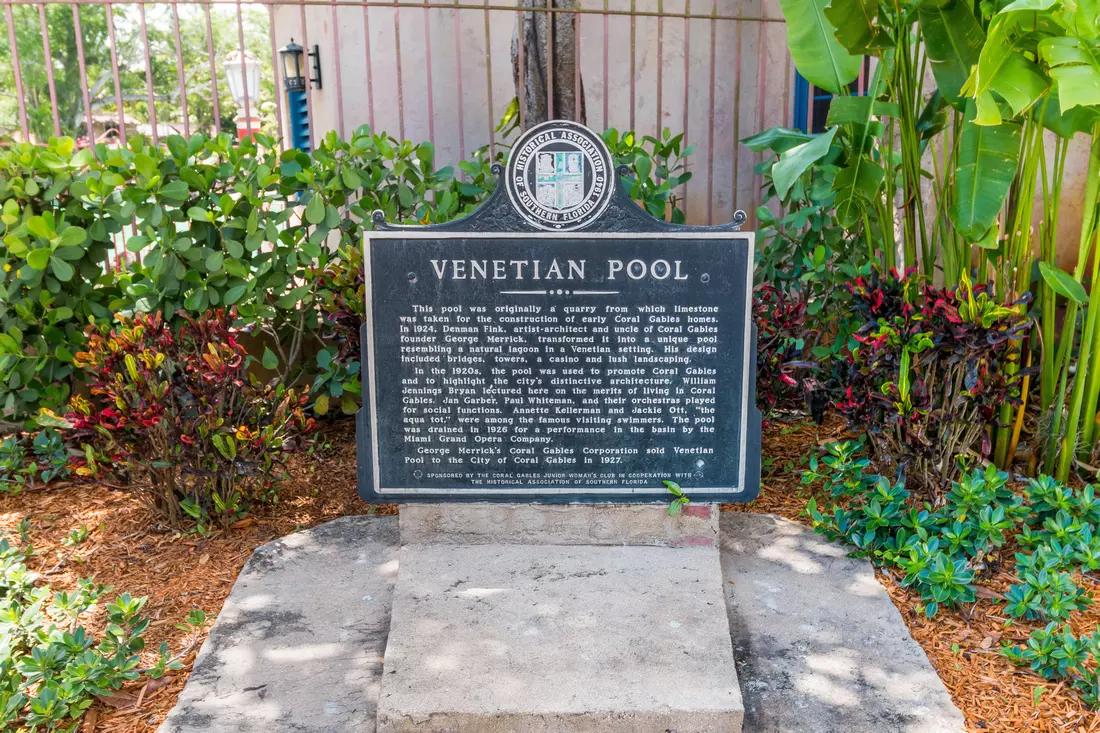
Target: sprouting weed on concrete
pixel 679 498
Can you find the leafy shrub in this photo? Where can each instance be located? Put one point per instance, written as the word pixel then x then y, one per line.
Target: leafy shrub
pixel 1058 654
pixel 56 223
pixel 181 410
pixel 801 248
pixel 780 330
pixel 46 459
pixel 931 372
pixel 219 223
pixel 52 668
pixel 655 172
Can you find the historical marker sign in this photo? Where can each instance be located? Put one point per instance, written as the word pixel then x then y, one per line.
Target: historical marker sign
pixel 558 345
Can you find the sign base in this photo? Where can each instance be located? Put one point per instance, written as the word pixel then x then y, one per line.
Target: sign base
pixel 579 627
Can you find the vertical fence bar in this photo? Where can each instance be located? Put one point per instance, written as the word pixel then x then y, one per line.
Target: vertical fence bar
pixel 370 75
pixel 633 67
pixel 18 72
pixel 78 35
pixel 521 38
pixel 305 75
pixel 549 59
pixel 275 73
pixel 579 115
pixel 428 71
pixel 761 52
pixel 337 58
pixel 213 70
pixel 606 75
pixel 710 103
pixel 114 72
pixel 148 74
pixel 738 32
pixel 180 80
pixel 47 60
pixel 244 76
pixel 458 79
pixel 397 61
pixel 687 81
pixel 489 85
pixel 660 63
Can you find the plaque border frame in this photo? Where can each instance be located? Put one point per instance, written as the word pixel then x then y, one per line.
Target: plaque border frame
pixel 749 477
pixel 620 218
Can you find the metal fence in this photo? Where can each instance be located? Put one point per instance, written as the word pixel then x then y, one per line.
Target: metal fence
pixel 716 69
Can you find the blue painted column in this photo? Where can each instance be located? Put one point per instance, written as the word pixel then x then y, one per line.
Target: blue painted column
pixel 298 113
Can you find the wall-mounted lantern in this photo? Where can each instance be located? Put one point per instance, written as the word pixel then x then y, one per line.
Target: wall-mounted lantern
pixel 291 56
pixel 296 93
pixel 293 76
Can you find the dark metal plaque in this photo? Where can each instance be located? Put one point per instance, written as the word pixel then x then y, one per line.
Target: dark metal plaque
pixel 558 366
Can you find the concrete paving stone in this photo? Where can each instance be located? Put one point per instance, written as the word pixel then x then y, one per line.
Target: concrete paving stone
pixel 559 639
pixel 559 524
pixel 298 646
pixel 820 647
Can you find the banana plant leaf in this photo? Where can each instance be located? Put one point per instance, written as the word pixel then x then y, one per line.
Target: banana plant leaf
pixel 816 52
pixel 854 21
pixel 988 156
pixel 953 38
pixel 795 161
pixel 1075 66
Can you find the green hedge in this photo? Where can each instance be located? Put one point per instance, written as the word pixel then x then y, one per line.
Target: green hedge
pixel 218 223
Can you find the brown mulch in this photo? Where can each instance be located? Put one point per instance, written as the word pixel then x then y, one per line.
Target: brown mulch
pixel 127 549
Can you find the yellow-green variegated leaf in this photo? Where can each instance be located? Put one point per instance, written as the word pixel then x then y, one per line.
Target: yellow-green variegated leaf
pixel 816 52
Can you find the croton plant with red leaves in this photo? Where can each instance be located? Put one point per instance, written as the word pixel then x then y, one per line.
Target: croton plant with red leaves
pixel 781 375
pixel 178 411
pixel 932 368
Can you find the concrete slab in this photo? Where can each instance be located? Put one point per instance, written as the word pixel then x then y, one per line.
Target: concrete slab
pixel 819 645
pixel 553 639
pixel 298 645
pixel 820 648
pixel 562 524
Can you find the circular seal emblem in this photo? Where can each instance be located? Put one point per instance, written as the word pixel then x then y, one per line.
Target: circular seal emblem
pixel 560 176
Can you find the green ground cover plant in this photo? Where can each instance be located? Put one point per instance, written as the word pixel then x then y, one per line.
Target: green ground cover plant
pixel 53 667
pixel 946 549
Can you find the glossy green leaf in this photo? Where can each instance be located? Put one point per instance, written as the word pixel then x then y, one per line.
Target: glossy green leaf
pixel 776 139
pixel 61 269
pixel 988 155
pixel 797 160
pixel 1075 67
pixel 315 210
pixel 39 258
pixel 1063 283
pixel 816 52
pixel 854 21
pixel 856 186
pixel 953 38
pixel 270 360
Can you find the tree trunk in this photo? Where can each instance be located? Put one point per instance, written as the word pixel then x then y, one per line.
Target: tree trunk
pixel 546 46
